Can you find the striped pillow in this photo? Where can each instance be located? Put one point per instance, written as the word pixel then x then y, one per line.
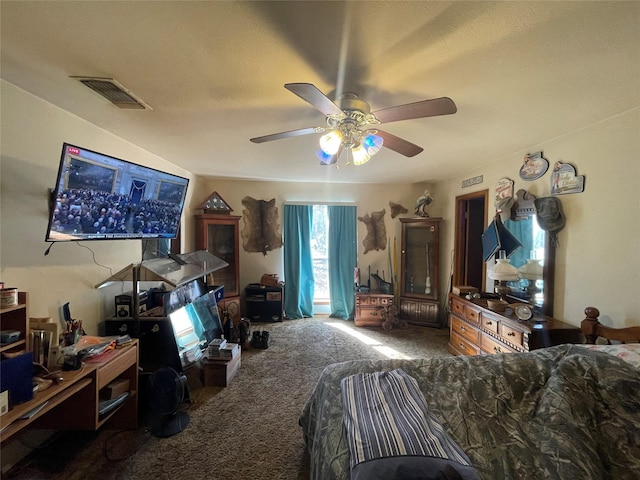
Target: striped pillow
pixel 391 433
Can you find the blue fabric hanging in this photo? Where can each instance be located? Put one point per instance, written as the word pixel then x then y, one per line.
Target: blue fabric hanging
pixel 298 265
pixel 343 251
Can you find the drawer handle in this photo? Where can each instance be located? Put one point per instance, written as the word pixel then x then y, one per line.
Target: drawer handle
pixel 462 329
pixel 488 323
pixel 511 334
pixel 497 350
pixel 462 346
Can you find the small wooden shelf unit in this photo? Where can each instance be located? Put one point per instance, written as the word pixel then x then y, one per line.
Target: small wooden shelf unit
pixel 72 404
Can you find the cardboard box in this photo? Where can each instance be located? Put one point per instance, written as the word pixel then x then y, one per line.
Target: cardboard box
pixel 269 280
pixel 219 373
pixel 115 388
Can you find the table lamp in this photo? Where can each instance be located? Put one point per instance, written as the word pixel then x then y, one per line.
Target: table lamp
pixel 503 272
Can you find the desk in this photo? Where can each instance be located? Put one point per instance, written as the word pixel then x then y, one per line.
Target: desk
pixel 73 403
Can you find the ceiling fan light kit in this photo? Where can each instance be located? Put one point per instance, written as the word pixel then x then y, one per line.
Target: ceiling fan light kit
pixel 330 142
pixel 360 155
pixel 349 123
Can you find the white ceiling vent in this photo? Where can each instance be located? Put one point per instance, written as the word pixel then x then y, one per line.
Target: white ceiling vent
pixel 114 92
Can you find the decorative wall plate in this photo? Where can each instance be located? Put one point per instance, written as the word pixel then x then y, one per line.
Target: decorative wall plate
pixel 564 179
pixel 534 166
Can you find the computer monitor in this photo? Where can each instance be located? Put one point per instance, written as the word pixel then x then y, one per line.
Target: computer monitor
pixel 195 325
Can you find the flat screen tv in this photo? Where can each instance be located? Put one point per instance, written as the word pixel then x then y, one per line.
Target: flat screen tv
pixel 100 197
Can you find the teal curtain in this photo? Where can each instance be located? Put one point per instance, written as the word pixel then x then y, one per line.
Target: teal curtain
pixel 298 265
pixel 342 259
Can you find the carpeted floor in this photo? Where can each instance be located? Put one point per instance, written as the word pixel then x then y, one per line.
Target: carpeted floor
pixel 248 430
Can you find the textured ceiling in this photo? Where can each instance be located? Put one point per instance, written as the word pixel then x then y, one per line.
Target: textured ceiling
pixel 521 73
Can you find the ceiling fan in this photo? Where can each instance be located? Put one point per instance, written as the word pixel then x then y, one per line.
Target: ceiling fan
pixel 351 125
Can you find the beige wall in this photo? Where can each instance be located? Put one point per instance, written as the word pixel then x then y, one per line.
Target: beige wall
pixel 367 198
pixel 597 261
pixel 32 135
pixel 33 132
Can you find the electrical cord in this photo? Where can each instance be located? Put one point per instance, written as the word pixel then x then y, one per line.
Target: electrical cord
pixel 114 441
pixel 94 258
pixel 46 252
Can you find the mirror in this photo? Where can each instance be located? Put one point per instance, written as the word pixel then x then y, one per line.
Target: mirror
pixel 535 259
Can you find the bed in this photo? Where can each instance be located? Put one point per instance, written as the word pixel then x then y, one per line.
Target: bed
pixel 565 412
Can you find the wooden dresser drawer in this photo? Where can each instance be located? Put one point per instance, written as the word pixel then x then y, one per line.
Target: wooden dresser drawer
pixel 457 307
pixel 463 346
pixel 368 316
pixel 464 329
pixel 489 323
pixel 472 314
pixel 374 300
pixel 489 345
pixel 511 335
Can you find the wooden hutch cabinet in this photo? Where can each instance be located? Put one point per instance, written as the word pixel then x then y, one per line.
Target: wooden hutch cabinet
pixel 419 277
pixel 219 234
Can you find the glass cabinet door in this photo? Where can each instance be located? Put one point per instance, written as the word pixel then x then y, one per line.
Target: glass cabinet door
pixel 218 234
pixel 221 243
pixel 420 258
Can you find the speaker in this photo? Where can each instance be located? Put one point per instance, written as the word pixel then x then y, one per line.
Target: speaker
pixel 124 306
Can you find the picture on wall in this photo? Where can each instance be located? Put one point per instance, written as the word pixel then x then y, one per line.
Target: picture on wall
pixel 83 174
pixel 170 192
pixel 564 179
pixel 534 166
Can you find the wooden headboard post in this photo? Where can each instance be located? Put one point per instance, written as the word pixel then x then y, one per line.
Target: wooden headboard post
pixel 589 325
pixel 592 329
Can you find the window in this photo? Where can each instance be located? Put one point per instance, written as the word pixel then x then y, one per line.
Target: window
pixel 320 254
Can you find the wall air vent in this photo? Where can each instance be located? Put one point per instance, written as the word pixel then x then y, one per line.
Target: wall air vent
pixel 114 92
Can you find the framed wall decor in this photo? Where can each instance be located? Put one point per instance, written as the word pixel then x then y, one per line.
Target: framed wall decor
pixel 533 166
pixel 504 188
pixel 564 179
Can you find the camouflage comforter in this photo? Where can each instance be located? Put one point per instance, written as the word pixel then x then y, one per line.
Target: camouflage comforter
pixel 564 412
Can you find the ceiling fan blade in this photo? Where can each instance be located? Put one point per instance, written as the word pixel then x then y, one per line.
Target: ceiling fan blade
pixel 310 93
pixel 398 144
pixel 290 133
pixel 425 108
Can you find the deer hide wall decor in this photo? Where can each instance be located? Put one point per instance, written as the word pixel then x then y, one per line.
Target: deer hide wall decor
pixel 376 238
pixel 396 209
pixel 261 227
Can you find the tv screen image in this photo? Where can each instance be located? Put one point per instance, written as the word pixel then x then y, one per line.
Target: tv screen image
pixel 100 197
pixel 183 295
